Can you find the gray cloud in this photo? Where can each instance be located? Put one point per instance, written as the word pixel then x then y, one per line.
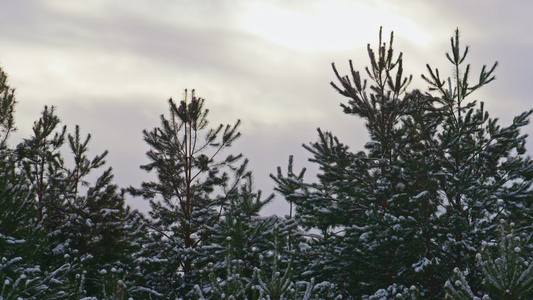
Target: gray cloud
pixel 110 66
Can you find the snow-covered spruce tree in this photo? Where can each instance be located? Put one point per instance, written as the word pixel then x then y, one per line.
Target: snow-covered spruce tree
pixel 351 206
pixel 237 242
pixel 483 173
pixel 101 231
pixel 86 228
pixel 41 160
pixel 191 191
pixel 281 272
pixel 252 256
pixel 434 179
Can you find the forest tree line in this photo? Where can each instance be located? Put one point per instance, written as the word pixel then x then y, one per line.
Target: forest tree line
pixel 437 205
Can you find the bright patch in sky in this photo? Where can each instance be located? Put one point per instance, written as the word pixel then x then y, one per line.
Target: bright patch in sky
pixel 326 26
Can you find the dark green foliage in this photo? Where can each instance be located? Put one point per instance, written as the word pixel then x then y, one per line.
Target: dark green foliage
pixel 507 272
pixel 505 268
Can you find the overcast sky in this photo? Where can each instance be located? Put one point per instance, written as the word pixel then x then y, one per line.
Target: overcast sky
pixel 110 66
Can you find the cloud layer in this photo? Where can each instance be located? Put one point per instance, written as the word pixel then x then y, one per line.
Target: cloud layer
pixel 110 66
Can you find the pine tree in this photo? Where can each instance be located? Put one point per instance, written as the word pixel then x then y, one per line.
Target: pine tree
pixel 100 229
pixel 191 191
pixel 351 204
pixel 61 236
pixel 434 179
pixel 86 227
pixel 483 172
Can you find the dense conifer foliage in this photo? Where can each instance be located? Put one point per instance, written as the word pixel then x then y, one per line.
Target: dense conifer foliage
pixel 437 205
